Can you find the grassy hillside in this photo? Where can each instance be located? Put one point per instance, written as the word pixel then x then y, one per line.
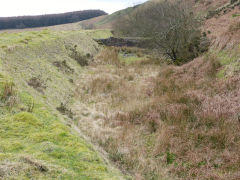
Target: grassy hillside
pixel 113 17
pixel 37 75
pixel 105 22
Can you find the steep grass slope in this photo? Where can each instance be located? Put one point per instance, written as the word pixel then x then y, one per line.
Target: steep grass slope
pixel 37 76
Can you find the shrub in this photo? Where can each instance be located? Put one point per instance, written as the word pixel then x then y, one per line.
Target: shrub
pixel 79 57
pixel 64 110
pixel 63 66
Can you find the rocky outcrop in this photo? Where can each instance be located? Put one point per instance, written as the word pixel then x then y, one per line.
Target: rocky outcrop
pixel 119 42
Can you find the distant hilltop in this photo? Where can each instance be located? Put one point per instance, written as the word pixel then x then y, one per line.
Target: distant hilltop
pixel 22 22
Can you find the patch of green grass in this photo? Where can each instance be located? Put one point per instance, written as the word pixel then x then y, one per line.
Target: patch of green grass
pixel 226 58
pixel 99 34
pixel 229 61
pixel 130 58
pixel 171 157
pixel 221 74
pixel 24 38
pixel 235 15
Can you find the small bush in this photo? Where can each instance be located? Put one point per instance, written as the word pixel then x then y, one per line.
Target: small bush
pixel 64 106
pixel 64 110
pixel 79 57
pixel 63 66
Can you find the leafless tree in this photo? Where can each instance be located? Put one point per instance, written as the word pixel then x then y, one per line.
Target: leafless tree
pixel 168 26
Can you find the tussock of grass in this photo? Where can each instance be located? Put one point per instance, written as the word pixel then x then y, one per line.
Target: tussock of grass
pixel 109 56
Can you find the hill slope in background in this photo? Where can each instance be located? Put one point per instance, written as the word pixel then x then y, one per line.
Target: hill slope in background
pixel 105 22
pixel 47 20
